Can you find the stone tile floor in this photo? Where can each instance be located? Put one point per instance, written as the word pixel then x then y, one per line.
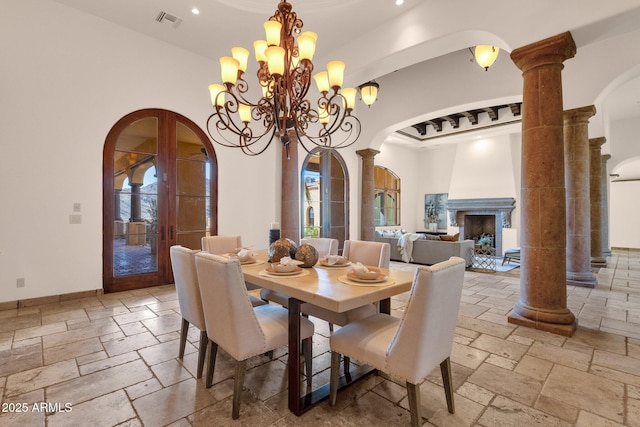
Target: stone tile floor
pixel 112 360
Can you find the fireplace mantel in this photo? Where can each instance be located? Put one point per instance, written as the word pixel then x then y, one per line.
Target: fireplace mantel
pixel 502 206
pixel 498 208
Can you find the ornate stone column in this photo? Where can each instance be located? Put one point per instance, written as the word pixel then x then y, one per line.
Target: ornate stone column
pixel 367 227
pixel 290 198
pixel 597 259
pixel 576 163
pixel 604 180
pixel 543 290
pixel 136 207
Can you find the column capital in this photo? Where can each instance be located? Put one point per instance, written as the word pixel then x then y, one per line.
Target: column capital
pixel 551 51
pixel 596 143
pixel 605 157
pixel 579 115
pixel 367 153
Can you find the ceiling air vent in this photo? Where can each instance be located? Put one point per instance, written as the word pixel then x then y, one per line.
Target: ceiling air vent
pixel 167 17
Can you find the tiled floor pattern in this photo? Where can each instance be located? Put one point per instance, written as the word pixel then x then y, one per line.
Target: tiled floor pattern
pixel 112 361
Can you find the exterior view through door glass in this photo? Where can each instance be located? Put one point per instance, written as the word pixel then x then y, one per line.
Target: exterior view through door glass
pixel 324 207
pixel 160 189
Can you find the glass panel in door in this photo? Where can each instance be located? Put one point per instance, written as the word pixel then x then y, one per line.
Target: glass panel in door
pixel 193 198
pixel 135 187
pixel 324 196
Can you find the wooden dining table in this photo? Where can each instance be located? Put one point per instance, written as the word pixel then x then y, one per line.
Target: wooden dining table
pixel 331 289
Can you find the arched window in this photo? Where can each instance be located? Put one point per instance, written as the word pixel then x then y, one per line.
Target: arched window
pixel 387 197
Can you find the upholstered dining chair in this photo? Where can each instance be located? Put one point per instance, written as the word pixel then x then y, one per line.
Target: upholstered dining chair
pixel 221 244
pixel 324 245
pixel 234 324
pixel 408 348
pixel 368 253
pixel 224 244
pixel 183 263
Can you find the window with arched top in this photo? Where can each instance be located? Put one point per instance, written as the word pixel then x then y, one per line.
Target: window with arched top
pixel 386 201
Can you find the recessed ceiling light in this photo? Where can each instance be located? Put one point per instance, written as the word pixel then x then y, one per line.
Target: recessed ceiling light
pixel 399 2
pixel 195 11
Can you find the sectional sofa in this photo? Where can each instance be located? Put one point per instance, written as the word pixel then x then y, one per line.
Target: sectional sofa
pixel 429 249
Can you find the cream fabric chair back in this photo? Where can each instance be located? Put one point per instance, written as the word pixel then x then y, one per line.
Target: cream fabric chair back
pixel 231 321
pixel 425 335
pixel 221 244
pixel 324 245
pixel 369 253
pixel 183 263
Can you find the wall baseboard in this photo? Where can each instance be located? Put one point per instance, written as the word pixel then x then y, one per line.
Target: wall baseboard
pixel 626 249
pixel 30 302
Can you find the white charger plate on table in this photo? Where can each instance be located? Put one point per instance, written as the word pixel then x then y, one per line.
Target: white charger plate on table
pixel 324 263
pixel 352 279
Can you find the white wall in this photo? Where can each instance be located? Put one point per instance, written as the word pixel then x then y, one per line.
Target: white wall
pixel 67 78
pixel 404 163
pixel 624 231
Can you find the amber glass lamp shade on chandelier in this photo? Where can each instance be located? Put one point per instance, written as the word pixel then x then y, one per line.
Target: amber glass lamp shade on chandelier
pixel 284 111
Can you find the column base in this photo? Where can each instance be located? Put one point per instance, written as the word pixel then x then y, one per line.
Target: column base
pixel 585 280
pixel 598 262
pixel 606 252
pixel 558 329
pixel 557 321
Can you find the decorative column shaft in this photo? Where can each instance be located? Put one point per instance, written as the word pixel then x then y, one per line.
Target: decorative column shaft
pixel 597 258
pixel 604 181
pixel 290 198
pixel 136 207
pixel 543 290
pixel 367 227
pixel 117 214
pixel 576 163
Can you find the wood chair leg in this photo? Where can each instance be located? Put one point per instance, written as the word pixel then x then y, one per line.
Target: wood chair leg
pixel 335 376
pixel 202 351
pixel 330 327
pixel 307 352
pixel 183 337
pixel 347 362
pixel 445 368
pixel 212 364
pixel 413 392
pixel 237 388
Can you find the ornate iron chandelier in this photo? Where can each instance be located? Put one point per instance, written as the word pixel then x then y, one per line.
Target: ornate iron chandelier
pixel 283 112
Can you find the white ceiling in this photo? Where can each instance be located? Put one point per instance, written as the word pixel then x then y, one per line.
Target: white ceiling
pixel 376 37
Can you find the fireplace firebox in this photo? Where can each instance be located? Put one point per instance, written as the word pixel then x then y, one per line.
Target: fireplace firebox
pixel 482 217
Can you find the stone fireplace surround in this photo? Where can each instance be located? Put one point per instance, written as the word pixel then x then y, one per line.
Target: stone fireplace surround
pixel 498 208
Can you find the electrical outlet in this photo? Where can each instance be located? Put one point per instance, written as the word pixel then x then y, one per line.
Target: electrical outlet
pixel 20 282
pixel 75 219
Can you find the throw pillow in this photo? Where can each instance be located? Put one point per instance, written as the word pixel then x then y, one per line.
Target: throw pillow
pixel 453 238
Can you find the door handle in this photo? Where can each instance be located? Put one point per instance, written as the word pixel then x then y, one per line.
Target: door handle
pixel 162 233
pixel 171 232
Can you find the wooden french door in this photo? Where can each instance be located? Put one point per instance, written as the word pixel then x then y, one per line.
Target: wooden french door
pixel 325 196
pixel 159 189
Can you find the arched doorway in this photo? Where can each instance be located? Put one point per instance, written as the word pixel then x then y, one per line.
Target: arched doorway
pixel 325 196
pixel 159 189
